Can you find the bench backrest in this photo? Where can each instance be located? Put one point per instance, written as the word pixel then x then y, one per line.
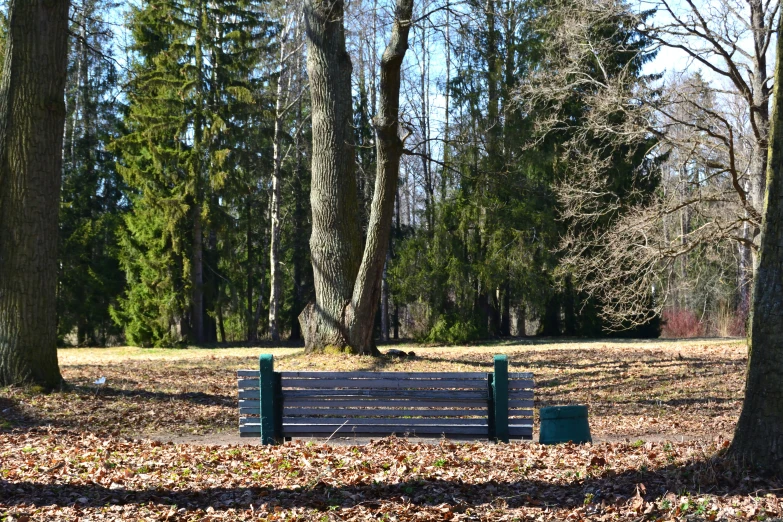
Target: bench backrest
pixel 366 404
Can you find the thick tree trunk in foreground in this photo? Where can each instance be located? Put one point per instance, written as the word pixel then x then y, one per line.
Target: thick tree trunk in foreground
pixel 347 293
pixel 335 242
pixel 758 438
pixel 32 116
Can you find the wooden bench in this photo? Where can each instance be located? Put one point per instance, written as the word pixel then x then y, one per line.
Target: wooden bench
pixel 280 405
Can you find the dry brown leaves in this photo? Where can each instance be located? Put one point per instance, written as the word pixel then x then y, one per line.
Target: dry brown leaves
pixel 637 390
pixel 58 474
pixel 67 454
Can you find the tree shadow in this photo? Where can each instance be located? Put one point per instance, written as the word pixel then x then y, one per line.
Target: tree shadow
pixel 16 415
pixel 714 476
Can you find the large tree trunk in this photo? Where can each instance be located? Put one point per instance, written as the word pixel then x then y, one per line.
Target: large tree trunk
pixel 347 293
pixel 335 241
pixel 32 116
pixel 758 438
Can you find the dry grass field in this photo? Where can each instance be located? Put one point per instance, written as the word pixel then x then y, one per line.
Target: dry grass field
pixel 661 413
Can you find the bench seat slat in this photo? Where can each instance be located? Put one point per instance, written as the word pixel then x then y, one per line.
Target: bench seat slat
pixel 405 384
pixel 388 394
pixel 380 412
pixel 520 394
pixel 395 376
pixel 520 403
pixel 399 421
pixel 373 412
pixel 387 375
pixel 520 432
pixel 302 429
pixel 249 374
pixel 375 383
pixel 429 395
pixel 520 384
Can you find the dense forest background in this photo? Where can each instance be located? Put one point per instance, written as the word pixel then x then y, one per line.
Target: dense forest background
pixel 609 207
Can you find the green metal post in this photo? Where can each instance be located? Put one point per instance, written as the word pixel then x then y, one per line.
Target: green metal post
pixel 267 398
pixel 500 397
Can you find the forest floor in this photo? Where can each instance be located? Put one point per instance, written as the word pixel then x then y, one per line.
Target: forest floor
pixel 157 441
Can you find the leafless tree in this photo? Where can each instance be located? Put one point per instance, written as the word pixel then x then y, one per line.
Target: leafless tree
pixel 712 134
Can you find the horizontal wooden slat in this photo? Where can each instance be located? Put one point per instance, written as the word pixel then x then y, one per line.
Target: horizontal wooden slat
pixel 385 383
pixel 378 412
pixel 252 402
pixel 337 421
pixel 520 413
pixel 347 430
pixel 387 394
pixel 374 412
pixel 363 435
pixel 520 431
pixel 383 403
pixel 405 384
pixel 244 384
pixel 384 375
pixel 387 375
pixel 369 429
pixel 520 394
pixel 429 395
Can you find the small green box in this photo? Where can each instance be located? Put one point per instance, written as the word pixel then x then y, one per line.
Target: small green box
pixel 564 424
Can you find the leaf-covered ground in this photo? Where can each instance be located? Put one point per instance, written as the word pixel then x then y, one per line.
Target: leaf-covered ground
pixel 663 409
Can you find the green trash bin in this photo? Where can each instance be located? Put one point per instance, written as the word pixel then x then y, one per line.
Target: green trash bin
pixel 564 424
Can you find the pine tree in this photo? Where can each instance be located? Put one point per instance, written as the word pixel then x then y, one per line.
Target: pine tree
pixel 90 279
pixel 193 86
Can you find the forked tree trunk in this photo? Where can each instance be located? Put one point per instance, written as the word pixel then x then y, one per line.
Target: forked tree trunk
pixel 758 438
pixel 347 293
pixel 32 116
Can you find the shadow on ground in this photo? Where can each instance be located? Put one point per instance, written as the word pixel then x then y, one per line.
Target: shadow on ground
pixel 717 476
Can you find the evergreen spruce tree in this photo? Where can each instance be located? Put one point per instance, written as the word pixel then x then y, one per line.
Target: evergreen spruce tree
pixel 90 279
pixel 193 85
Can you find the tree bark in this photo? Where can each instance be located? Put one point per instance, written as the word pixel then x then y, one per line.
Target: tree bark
pixel 335 243
pixel 32 117
pixel 389 147
pixel 197 278
pixel 275 277
pixel 252 329
pixel 385 300
pixel 758 438
pixel 347 293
